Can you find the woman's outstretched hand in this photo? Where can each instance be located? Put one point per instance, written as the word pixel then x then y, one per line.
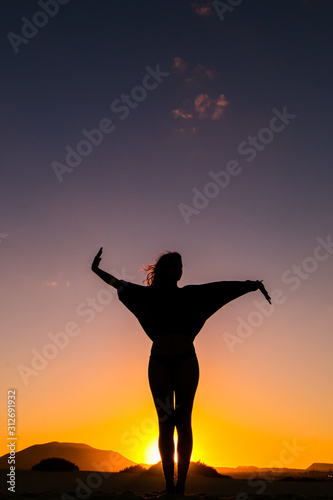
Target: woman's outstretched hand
pixel 97 260
pixel 264 291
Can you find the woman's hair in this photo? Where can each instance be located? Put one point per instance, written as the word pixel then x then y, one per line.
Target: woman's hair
pixel 156 272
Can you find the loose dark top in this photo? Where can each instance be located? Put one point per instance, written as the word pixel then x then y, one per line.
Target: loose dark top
pixel 163 310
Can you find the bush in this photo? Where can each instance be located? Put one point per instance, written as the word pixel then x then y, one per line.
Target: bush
pixel 156 469
pixel 55 464
pixel 204 470
pixel 133 469
pixel 195 468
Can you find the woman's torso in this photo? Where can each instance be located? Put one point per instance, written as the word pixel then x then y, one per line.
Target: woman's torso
pixel 172 317
pixel 172 343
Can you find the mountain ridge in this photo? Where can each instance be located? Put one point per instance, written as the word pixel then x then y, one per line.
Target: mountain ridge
pixel 84 456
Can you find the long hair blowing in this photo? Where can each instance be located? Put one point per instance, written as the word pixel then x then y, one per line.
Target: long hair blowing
pixel 156 272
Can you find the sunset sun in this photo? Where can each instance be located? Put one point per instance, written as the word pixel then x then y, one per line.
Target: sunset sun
pixel 151 454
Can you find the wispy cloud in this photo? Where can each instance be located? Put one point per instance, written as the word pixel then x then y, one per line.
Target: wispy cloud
pixel 51 284
pixel 59 281
pixel 180 113
pixel 207 107
pixel 200 73
pixel 179 65
pixel 202 8
pixel 203 107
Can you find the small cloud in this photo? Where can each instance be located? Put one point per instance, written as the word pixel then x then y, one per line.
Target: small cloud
pixel 202 107
pixel 202 8
pixel 206 107
pixel 51 284
pixel 202 103
pixel 179 113
pixel 179 65
pixel 220 104
pixel 60 281
pixel 200 73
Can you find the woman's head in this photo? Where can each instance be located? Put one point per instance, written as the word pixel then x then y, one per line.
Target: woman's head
pixel 167 270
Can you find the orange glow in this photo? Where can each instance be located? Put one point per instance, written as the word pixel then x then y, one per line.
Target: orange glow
pixel 247 407
pixel 151 453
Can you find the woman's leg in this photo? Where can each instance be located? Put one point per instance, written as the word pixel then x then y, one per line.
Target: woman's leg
pixel 160 382
pixel 186 386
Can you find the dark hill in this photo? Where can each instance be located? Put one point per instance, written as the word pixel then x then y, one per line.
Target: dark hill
pixel 84 456
pixel 320 467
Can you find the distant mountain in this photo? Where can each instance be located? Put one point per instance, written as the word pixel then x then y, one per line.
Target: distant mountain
pixel 320 467
pixel 84 456
pixel 247 469
pixel 245 472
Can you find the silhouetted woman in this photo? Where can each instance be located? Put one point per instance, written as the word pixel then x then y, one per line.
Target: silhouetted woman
pixel 172 317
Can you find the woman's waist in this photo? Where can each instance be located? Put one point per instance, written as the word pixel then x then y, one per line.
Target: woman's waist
pixel 172 343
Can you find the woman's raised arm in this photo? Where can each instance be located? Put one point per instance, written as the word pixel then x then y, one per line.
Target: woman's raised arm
pixel 263 291
pixel 108 278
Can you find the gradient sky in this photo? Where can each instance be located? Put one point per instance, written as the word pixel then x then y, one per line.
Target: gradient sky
pixel 263 388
